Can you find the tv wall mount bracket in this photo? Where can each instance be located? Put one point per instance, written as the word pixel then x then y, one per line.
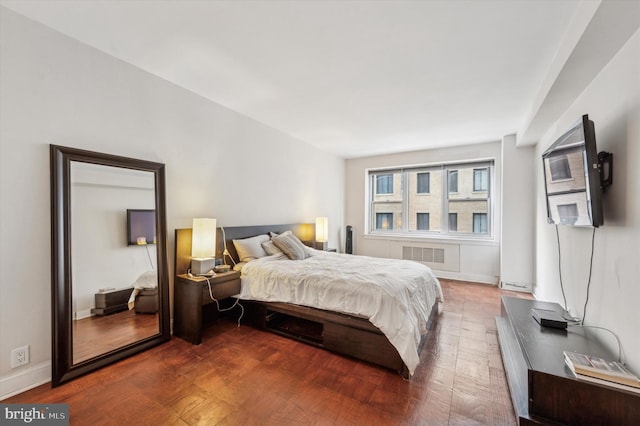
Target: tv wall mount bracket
pixel 605 168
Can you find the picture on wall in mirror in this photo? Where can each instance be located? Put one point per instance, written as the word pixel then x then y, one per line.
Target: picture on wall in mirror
pixel 141 227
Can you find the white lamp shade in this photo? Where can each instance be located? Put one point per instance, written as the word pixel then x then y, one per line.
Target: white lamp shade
pixel 203 238
pixel 322 229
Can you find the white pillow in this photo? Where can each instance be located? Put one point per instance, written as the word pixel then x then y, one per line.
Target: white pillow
pixel 148 279
pixel 251 248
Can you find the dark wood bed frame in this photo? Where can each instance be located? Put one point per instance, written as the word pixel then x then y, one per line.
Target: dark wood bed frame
pixel 341 333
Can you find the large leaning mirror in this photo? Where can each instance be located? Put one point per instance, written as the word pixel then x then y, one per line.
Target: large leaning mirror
pixel 109 272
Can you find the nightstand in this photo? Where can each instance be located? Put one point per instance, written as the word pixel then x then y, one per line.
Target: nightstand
pixel 191 293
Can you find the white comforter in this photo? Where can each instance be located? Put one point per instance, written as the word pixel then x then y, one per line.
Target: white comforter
pixel 395 295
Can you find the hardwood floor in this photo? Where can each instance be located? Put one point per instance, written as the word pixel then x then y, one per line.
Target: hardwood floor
pixel 99 334
pixel 246 376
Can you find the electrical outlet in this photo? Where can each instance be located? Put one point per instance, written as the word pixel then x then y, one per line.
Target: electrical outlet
pixel 20 356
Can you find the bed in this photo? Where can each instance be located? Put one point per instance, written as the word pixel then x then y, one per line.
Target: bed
pixel 328 299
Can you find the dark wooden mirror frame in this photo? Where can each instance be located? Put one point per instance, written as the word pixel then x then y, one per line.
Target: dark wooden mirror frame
pixel 63 368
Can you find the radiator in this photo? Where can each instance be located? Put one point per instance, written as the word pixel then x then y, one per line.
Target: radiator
pixel 442 257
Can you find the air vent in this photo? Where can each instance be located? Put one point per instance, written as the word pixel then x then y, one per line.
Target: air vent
pixel 423 254
pixel 516 286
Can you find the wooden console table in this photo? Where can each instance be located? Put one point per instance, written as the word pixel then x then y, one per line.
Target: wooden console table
pixel 191 293
pixel 543 390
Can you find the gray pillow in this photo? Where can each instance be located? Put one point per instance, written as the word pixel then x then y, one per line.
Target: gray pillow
pixel 270 248
pixel 291 246
pixel 251 248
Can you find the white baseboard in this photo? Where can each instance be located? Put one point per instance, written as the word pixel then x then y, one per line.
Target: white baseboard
pixel 24 380
pixel 481 279
pixel 85 313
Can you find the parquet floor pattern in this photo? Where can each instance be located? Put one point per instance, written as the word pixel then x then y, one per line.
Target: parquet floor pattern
pixel 243 376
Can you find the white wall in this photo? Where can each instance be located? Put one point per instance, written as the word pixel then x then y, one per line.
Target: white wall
pixel 612 101
pixel 479 260
pixel 518 216
pixel 219 164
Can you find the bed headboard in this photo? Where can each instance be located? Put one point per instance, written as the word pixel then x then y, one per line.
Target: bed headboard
pixel 304 231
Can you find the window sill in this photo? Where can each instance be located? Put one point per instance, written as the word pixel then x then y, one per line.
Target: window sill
pixel 481 241
pixel 561 180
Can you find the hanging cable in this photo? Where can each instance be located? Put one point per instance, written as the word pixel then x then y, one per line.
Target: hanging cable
pixel 149 256
pixel 236 303
pixel 584 310
pixel 560 269
pixel 605 329
pixel 225 253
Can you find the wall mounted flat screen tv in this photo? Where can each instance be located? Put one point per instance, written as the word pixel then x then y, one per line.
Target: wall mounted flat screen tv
pixel 572 177
pixel 141 227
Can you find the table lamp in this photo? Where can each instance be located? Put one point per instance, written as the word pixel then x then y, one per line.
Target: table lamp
pixel 203 246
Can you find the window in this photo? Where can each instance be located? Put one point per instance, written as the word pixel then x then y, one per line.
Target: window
pixel 384 184
pixel 568 213
pixel 479 223
pixel 453 222
pixel 455 193
pixel 421 181
pixel 559 167
pixel 453 181
pixel 423 221
pixel 386 200
pixel 480 179
pixel 384 221
pixel 424 180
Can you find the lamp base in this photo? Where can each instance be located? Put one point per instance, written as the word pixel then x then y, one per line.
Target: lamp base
pixel 202 265
pixel 321 245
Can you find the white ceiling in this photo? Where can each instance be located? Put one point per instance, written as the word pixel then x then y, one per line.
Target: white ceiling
pixel 354 78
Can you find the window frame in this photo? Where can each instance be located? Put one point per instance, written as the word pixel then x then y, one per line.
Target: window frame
pixel 401 225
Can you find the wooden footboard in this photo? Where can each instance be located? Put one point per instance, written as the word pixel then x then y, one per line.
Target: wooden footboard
pixel 336 332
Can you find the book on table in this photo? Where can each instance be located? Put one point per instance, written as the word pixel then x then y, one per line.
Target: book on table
pixel 607 383
pixel 588 366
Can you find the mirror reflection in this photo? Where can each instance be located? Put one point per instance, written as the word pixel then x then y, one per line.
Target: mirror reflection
pixel 114 297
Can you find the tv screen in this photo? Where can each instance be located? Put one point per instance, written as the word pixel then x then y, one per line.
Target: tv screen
pixel 141 227
pixel 572 177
